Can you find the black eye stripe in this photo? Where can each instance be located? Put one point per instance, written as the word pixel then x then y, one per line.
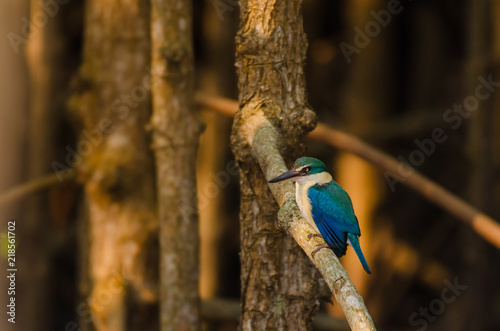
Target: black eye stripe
pixel 305 169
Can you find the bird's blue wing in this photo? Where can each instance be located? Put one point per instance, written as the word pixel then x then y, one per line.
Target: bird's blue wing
pixel 333 214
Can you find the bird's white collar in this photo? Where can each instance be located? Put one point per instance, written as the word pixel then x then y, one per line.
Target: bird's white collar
pixel 321 178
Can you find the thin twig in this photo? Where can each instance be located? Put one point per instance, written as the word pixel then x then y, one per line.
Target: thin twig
pixel 484 225
pixel 32 186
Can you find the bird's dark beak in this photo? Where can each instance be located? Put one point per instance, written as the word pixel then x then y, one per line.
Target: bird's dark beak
pixel 290 174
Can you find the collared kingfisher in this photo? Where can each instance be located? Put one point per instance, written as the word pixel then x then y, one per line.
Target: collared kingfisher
pixel 326 206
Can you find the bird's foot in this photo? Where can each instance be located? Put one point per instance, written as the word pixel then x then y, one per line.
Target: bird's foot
pixel 318 248
pixel 310 235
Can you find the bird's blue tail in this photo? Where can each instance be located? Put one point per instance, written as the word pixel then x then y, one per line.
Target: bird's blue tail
pixel 355 244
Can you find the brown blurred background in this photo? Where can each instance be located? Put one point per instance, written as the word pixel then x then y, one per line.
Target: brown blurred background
pixel 391 89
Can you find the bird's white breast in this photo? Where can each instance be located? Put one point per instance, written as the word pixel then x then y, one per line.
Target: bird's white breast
pixel 302 186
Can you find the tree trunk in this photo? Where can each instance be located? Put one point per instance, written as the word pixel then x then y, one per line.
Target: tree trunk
pixel 217 228
pixel 176 131
pixel 112 102
pixel 279 290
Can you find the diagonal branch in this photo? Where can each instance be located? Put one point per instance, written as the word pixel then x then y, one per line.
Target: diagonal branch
pixel 176 130
pixel 32 186
pixel 483 224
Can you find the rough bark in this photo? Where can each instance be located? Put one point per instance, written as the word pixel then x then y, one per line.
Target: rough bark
pixel 113 157
pixel 264 140
pixel 279 291
pixel 176 131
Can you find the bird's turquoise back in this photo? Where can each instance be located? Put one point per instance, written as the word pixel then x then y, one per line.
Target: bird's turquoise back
pixel 334 216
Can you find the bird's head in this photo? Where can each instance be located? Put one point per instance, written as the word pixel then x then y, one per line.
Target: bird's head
pixel 303 169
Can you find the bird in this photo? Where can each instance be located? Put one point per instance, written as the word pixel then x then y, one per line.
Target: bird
pixel 326 206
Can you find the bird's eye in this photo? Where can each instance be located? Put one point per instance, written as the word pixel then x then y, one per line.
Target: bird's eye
pixel 306 169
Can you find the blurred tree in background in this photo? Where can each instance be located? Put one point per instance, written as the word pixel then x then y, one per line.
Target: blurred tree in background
pixel 78 89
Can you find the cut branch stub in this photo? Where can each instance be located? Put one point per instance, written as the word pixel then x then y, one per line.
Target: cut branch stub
pixel 271 50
